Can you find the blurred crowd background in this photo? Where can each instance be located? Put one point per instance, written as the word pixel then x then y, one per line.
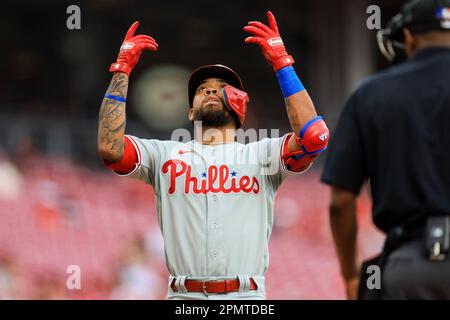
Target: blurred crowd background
pixel 59 206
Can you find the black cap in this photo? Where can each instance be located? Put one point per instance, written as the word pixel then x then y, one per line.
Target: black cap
pixel 212 71
pixel 421 16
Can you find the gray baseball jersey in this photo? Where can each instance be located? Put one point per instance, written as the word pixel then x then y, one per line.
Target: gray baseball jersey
pixel 214 204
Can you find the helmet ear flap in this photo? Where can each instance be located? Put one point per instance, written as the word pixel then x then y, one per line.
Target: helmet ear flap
pixel 236 100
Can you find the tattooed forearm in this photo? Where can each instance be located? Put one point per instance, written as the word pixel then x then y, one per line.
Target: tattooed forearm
pixel 111 128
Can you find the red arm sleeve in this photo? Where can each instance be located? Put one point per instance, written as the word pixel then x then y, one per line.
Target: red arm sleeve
pixel 128 162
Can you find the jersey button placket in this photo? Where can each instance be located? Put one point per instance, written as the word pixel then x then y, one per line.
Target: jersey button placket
pixel 214 234
pixel 213 156
pixel 215 238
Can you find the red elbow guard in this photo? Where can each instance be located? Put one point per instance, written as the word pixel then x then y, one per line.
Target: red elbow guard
pixel 314 136
pixel 313 140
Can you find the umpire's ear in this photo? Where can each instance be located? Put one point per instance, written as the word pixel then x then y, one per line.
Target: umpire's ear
pixel 410 43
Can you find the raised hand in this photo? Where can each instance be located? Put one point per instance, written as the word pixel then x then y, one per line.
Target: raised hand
pixel 131 50
pixel 270 42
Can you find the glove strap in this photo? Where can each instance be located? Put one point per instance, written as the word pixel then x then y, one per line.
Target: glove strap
pixel 120 67
pixel 282 62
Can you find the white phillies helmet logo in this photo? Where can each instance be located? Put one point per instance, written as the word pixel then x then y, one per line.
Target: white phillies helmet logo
pixel 275 42
pixel 127 46
pixel 323 136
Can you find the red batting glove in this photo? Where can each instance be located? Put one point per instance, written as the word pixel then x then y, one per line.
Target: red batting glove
pixel 270 42
pixel 131 50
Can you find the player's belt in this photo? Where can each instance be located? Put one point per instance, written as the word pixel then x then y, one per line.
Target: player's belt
pixel 215 286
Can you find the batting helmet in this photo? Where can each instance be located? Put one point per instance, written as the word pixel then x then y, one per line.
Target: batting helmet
pixel 417 16
pixel 222 72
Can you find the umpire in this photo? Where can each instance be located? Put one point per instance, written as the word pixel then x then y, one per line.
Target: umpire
pixel 395 132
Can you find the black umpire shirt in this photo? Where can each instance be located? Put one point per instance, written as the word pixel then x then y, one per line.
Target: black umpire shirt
pixel 395 132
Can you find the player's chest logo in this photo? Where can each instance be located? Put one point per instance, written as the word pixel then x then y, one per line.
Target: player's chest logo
pixel 216 179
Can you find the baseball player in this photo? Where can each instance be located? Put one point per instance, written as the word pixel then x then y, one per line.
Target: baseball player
pixel 214 196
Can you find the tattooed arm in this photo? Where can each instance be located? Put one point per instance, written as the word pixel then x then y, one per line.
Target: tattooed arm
pixel 111 125
pixel 111 128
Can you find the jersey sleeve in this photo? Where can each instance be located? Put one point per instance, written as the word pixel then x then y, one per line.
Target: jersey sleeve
pixel 345 165
pixel 147 156
pixel 270 152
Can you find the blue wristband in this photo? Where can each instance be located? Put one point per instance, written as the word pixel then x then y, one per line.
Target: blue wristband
pixel 289 82
pixel 110 96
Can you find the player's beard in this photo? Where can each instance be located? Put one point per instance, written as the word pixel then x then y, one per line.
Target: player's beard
pixel 213 117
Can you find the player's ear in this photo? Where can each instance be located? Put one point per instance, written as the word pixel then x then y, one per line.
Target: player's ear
pixel 191 115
